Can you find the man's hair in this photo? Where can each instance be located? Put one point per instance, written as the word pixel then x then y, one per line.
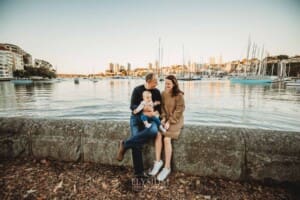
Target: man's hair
pixel 149 76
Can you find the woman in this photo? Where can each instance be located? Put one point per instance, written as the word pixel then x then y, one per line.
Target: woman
pixel 172 119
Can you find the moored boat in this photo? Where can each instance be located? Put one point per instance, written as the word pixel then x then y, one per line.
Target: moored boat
pixel 21 81
pixel 251 80
pixel 76 80
pixel 293 83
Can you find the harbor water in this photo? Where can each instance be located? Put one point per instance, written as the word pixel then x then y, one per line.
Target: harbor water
pixel 208 102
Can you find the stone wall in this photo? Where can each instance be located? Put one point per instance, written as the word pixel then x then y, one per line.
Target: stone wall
pixel 234 153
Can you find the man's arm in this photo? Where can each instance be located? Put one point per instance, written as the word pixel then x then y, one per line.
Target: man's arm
pixel 157 97
pixel 136 98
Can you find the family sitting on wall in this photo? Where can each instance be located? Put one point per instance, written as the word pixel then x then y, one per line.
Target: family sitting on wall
pixel 154 115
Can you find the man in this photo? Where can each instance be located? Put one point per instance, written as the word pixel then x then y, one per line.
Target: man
pixel 139 134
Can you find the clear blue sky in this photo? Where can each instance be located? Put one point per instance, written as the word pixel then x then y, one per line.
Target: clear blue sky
pixel 83 36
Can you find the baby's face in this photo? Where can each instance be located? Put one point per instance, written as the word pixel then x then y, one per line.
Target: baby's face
pixel 147 97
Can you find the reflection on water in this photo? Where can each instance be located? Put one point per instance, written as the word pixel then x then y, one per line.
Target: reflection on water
pixel 207 102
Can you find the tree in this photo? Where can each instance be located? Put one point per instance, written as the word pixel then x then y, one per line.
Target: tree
pixel 32 71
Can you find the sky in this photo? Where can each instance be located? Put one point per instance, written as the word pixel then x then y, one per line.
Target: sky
pixel 84 36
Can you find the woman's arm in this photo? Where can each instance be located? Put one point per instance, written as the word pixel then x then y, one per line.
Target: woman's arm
pixel 179 109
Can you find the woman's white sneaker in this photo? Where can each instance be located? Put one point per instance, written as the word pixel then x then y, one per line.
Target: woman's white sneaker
pixel 157 166
pixel 163 174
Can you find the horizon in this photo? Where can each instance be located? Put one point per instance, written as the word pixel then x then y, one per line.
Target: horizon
pixel 84 37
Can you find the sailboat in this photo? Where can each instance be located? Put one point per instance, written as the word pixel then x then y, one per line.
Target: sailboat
pixel 94 79
pixel 186 77
pixel 258 76
pixel 160 54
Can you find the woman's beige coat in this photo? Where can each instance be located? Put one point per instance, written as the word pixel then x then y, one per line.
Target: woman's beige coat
pixel 172 111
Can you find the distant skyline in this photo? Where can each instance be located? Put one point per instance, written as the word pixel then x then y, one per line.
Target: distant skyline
pixel 85 36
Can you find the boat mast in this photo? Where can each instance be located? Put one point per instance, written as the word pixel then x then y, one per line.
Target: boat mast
pixel 256 64
pixel 161 61
pixel 261 61
pixel 253 54
pixel 183 62
pixel 158 70
pixel 248 51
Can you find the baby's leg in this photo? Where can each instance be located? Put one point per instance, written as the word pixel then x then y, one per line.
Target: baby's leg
pixel 158 123
pixel 144 118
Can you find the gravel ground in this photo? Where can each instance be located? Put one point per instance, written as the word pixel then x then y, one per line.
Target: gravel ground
pixel 44 179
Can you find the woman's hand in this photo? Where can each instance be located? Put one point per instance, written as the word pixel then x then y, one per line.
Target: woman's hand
pixel 156 103
pixel 167 125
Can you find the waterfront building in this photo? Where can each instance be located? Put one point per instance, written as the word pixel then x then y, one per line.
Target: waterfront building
pixel 128 67
pixel 140 71
pixel 15 53
pixel 231 66
pixel 116 68
pixel 150 66
pixel 6 64
pixel 220 60
pixel 12 48
pixel 212 61
pixel 18 62
pixel 282 66
pixel 292 66
pixel 111 67
pixel 156 66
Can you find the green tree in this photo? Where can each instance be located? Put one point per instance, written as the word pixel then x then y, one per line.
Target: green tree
pixel 32 71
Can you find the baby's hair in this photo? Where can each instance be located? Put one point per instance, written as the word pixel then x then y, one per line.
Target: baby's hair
pixel 146 92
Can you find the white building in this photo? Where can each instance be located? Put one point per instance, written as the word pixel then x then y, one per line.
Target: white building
pixel 6 64
pixel 11 58
pixel 18 61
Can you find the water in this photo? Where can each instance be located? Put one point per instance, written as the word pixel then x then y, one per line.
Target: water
pixel 216 102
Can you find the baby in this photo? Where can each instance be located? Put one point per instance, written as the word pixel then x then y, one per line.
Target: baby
pixel 147 101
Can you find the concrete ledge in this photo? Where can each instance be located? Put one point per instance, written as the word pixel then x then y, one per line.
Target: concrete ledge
pixel 272 154
pixel 234 153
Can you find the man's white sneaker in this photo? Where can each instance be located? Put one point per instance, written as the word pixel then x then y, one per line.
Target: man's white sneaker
pixel 163 174
pixel 157 166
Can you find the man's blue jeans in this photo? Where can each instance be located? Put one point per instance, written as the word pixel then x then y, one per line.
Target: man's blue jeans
pixel 139 136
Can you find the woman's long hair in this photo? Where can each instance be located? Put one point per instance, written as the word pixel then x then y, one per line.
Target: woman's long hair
pixel 175 89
